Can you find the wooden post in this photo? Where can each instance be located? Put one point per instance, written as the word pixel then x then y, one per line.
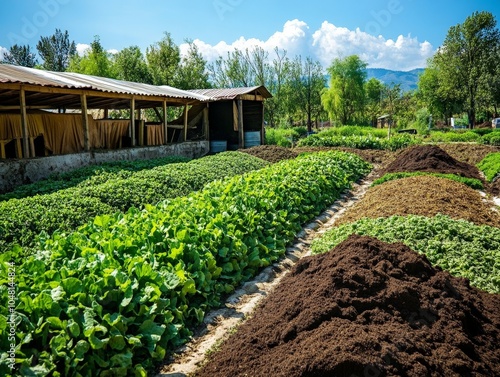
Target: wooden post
pixel 241 134
pixel 206 124
pixel 165 123
pixel 185 121
pixel 85 123
pixel 263 129
pixel 24 124
pixel 132 121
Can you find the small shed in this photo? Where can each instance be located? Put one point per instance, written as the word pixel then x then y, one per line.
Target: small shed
pixel 384 121
pixel 235 116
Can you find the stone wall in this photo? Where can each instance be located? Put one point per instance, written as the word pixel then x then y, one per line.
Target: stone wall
pixel 14 173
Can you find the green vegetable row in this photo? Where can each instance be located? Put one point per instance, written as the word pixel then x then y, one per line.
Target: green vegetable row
pixel 490 166
pixel 397 141
pixel 122 292
pixel 21 220
pixel 60 181
pixel 457 246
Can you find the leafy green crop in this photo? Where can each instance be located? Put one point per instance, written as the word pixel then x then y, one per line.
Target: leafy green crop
pixel 96 173
pixel 471 182
pixel 454 136
pixel 458 246
pixel 124 290
pixel 22 219
pixel 490 166
pixel 396 142
pixel 492 138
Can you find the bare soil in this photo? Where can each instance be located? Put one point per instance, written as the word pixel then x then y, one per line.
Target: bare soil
pixel 430 158
pixel 470 153
pixel 271 153
pixel 424 196
pixel 366 308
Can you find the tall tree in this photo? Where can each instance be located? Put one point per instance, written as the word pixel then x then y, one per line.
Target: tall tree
pixel 96 61
pixel 192 72
pixel 163 59
pixel 373 92
pixel 465 60
pixel 56 51
pixel 279 70
pixel 344 99
pixel 20 55
pixel 130 65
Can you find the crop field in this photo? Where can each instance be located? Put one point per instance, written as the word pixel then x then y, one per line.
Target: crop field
pixel 117 267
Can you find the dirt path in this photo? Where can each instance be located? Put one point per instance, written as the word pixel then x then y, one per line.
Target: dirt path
pixel 219 323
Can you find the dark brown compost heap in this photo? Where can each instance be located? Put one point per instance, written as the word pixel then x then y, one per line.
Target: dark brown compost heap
pixel 271 153
pixel 430 158
pixel 367 308
pixel 423 196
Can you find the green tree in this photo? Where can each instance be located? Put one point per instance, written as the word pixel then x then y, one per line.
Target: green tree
pixel 20 55
pixel 467 59
pixel 163 59
pixel 373 92
pixel 96 61
pixel 344 99
pixel 130 65
pixel 56 51
pixel 192 72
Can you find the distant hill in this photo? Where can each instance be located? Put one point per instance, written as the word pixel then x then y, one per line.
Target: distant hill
pixel 408 80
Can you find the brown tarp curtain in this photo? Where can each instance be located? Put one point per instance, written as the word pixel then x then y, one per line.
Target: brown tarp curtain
pixel 63 133
pixel 154 134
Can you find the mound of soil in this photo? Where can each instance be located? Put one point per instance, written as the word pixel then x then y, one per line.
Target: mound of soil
pixel 495 187
pixel 424 196
pixel 367 308
pixel 271 153
pixel 430 158
pixel 468 152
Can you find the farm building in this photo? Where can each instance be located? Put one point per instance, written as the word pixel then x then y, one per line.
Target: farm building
pixel 41 112
pixel 64 118
pixel 236 116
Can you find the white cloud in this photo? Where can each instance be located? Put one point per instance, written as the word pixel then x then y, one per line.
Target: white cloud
pixel 81 48
pixel 330 42
pixel 294 39
pixel 3 52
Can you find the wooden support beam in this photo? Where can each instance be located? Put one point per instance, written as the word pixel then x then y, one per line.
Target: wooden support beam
pixel 24 123
pixel 185 122
pixel 263 128
pixel 165 123
pixel 132 121
pixel 206 125
pixel 85 123
pixel 241 134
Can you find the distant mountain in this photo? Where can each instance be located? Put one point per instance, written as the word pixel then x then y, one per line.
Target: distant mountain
pixel 407 79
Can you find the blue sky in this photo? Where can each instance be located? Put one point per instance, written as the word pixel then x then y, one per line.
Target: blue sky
pixel 393 34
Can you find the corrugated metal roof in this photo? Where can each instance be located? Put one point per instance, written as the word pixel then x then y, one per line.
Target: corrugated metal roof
pixel 232 93
pixel 70 80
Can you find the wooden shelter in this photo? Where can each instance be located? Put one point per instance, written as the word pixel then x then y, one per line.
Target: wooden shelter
pixel 236 115
pixel 52 107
